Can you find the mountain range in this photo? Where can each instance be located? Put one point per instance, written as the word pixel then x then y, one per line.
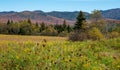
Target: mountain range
pixel 54 17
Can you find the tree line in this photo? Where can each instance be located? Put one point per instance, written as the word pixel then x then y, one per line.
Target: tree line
pixel 26 27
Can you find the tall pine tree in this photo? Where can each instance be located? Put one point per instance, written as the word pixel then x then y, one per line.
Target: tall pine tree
pixel 64 25
pixel 69 29
pixel 8 22
pixel 42 26
pixel 80 20
pixel 29 21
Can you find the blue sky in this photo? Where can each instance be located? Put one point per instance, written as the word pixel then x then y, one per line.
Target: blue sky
pixel 58 5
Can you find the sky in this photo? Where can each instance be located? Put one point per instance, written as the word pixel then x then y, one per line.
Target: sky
pixel 58 5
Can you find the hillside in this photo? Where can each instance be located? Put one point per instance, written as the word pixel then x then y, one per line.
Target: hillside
pixel 112 14
pixel 35 16
pixel 109 14
pixel 67 15
pixel 54 17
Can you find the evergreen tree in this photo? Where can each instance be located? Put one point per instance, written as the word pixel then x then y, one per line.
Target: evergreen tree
pixel 10 25
pixel 80 20
pixel 29 21
pixel 59 28
pixel 3 28
pixel 37 25
pixel 64 25
pixel 8 22
pixel 69 29
pixel 42 26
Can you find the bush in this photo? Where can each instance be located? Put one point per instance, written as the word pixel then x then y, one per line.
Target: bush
pixel 95 34
pixel 79 36
pixel 63 34
pixel 89 34
pixel 114 34
pixel 50 31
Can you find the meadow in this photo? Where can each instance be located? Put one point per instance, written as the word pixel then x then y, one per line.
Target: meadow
pixel 57 53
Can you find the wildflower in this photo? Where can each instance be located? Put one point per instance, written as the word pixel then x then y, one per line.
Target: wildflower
pixel 63 58
pixel 37 44
pixel 80 55
pixel 3 56
pixel 95 68
pixel 86 65
pixel 55 62
pixel 44 40
pixel 70 60
pixel 44 45
pixel 27 50
pixel 118 66
pixel 46 68
pixel 71 51
pixel 17 57
pixel 89 46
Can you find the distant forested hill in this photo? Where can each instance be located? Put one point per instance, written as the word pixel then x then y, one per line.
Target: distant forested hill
pixel 54 17
pixel 110 14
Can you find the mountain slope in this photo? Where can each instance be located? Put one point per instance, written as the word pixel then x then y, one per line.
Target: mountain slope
pixel 112 13
pixel 109 14
pixel 66 15
pixel 54 17
pixel 35 16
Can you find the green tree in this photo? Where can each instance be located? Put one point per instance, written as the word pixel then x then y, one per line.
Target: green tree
pixel 37 25
pixel 26 28
pixel 3 28
pixel 98 21
pixel 80 21
pixel 8 22
pixel 42 26
pixel 96 15
pixel 59 28
pixel 15 28
pixel 10 27
pixel 50 31
pixel 80 33
pixel 69 29
pixel 29 21
pixel 64 25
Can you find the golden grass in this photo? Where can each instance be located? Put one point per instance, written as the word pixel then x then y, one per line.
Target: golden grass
pixel 20 38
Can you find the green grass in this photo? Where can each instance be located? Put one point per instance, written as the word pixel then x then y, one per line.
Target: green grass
pixel 56 53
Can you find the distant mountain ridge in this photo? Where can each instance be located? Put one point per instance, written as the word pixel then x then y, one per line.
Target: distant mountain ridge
pixel 64 15
pixel 67 15
pixel 35 16
pixel 54 17
pixel 109 14
pixel 112 13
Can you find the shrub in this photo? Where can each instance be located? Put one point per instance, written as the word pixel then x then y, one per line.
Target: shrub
pixel 114 34
pixel 63 34
pixel 89 34
pixel 95 34
pixel 50 31
pixel 80 35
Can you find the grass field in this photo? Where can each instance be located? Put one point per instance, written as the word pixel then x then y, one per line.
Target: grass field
pixel 56 53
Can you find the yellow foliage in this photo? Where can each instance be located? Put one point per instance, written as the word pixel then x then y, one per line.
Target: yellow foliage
pixel 95 34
